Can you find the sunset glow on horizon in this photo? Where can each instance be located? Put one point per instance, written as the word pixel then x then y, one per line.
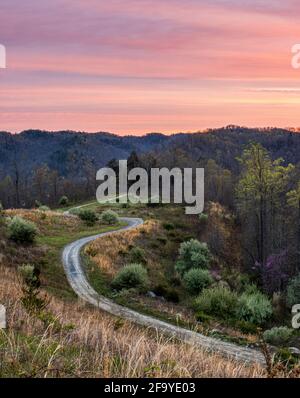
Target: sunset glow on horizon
pixel 141 66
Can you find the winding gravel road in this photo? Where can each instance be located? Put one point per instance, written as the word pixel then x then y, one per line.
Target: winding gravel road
pixel 76 276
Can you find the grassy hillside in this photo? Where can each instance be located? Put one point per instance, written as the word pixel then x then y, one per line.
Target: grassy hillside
pixel 76 340
pixel 69 338
pixel 90 343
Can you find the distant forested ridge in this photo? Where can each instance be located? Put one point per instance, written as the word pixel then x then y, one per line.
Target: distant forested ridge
pixel 40 165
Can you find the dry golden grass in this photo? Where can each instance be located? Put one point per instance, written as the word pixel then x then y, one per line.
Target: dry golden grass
pixel 45 219
pixel 97 345
pixel 106 251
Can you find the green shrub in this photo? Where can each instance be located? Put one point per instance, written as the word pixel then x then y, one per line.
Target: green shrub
pixel 192 254
pixel 138 255
pixel 250 288
pixel 21 230
pixel 31 299
pixel 293 292
pixel 278 335
pixel 64 201
pixel 89 216
pixel 218 301
pixel 131 276
pixel 203 218
pixel 254 307
pixel 27 272
pixel 196 279
pixel 109 217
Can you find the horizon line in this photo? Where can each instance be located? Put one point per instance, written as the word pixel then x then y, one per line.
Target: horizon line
pixel 201 131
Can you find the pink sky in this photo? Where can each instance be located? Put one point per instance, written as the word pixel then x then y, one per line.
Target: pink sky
pixel 138 66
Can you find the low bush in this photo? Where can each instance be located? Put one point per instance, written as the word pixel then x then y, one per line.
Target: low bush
pixel 293 292
pixel 192 254
pixel 196 279
pixel 254 306
pixel 218 301
pixel 21 230
pixel 89 216
pixel 138 255
pixel 63 201
pixel 278 336
pixel 203 218
pixel 109 217
pixel 251 288
pixel 131 276
pixel 31 299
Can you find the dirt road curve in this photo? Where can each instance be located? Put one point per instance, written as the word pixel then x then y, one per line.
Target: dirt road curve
pixel 77 279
